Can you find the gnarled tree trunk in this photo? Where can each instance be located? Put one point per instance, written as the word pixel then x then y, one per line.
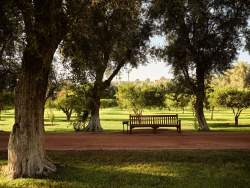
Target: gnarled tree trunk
pixel 94 123
pixel 26 155
pixel 45 25
pixel 94 106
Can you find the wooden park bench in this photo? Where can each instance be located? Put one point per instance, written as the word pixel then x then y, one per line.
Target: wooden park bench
pixel 153 121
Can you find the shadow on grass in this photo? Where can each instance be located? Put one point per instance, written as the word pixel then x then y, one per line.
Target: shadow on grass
pixel 149 169
pixel 226 125
pixel 145 169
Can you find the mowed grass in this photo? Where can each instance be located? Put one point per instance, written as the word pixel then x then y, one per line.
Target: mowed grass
pixel 111 120
pixel 142 169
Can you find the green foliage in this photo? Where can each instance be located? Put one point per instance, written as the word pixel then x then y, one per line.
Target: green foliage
pixel 106 36
pixel 72 98
pixel 153 94
pixel 137 96
pixel 236 77
pixel 233 98
pixel 213 96
pixel 202 37
pixel 51 116
pixel 176 100
pixel 6 99
pixel 108 103
pixel 130 96
pixel 110 92
pixel 237 100
pixel 177 96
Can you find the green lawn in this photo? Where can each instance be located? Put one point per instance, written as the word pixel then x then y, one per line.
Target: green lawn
pixel 111 120
pixel 143 169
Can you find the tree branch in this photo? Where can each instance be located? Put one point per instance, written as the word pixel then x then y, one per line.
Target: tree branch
pixel 234 111
pixel 114 73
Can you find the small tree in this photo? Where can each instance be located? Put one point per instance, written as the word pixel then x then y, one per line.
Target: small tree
pixel 177 100
pixel 130 96
pixel 153 94
pixel 64 102
pixel 236 100
pixel 212 99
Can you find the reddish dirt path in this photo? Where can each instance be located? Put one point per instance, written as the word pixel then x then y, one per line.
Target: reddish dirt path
pixel 143 140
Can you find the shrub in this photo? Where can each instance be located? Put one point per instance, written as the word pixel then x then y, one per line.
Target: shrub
pixel 108 103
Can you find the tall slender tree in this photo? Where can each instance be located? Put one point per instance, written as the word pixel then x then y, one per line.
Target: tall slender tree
pixel 203 36
pixel 108 35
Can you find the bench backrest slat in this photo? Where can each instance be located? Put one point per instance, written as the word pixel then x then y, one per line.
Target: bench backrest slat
pixel 153 119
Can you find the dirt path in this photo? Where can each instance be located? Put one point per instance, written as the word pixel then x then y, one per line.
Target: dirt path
pixel 143 140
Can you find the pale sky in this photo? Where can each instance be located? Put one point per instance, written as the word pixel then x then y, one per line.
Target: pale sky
pixel 155 69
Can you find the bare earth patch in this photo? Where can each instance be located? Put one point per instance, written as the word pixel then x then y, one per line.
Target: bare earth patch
pixel 142 140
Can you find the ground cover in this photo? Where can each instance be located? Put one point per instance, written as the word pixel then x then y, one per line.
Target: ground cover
pixel 111 119
pixel 142 169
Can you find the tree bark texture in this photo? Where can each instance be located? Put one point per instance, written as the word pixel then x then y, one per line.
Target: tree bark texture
pixel 236 121
pixel 200 96
pixel 26 155
pixel 44 26
pixel 95 103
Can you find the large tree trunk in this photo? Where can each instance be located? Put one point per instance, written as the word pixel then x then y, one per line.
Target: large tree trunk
pixel 236 121
pixel 94 123
pixel 26 155
pixel 69 115
pixel 200 96
pixel 199 113
pixel 45 25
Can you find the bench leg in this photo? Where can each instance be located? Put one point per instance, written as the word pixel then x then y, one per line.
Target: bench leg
pixel 130 130
pixel 179 129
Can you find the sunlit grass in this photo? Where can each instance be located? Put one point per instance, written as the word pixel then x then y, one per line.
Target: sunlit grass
pixel 111 119
pixel 143 169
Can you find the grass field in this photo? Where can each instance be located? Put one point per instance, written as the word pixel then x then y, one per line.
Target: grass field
pixel 142 169
pixel 111 169
pixel 111 119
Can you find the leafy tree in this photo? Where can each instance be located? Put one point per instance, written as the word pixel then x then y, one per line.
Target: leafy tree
pixel 130 96
pixel 108 103
pixel 65 102
pixel 236 100
pixel 236 77
pixel 177 100
pixel 107 36
pixel 72 98
pixel 153 94
pixel 44 24
pixel 177 95
pixel 202 38
pixel 213 99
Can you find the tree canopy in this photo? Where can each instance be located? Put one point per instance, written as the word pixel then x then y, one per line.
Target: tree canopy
pixel 107 35
pixel 236 100
pixel 202 38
